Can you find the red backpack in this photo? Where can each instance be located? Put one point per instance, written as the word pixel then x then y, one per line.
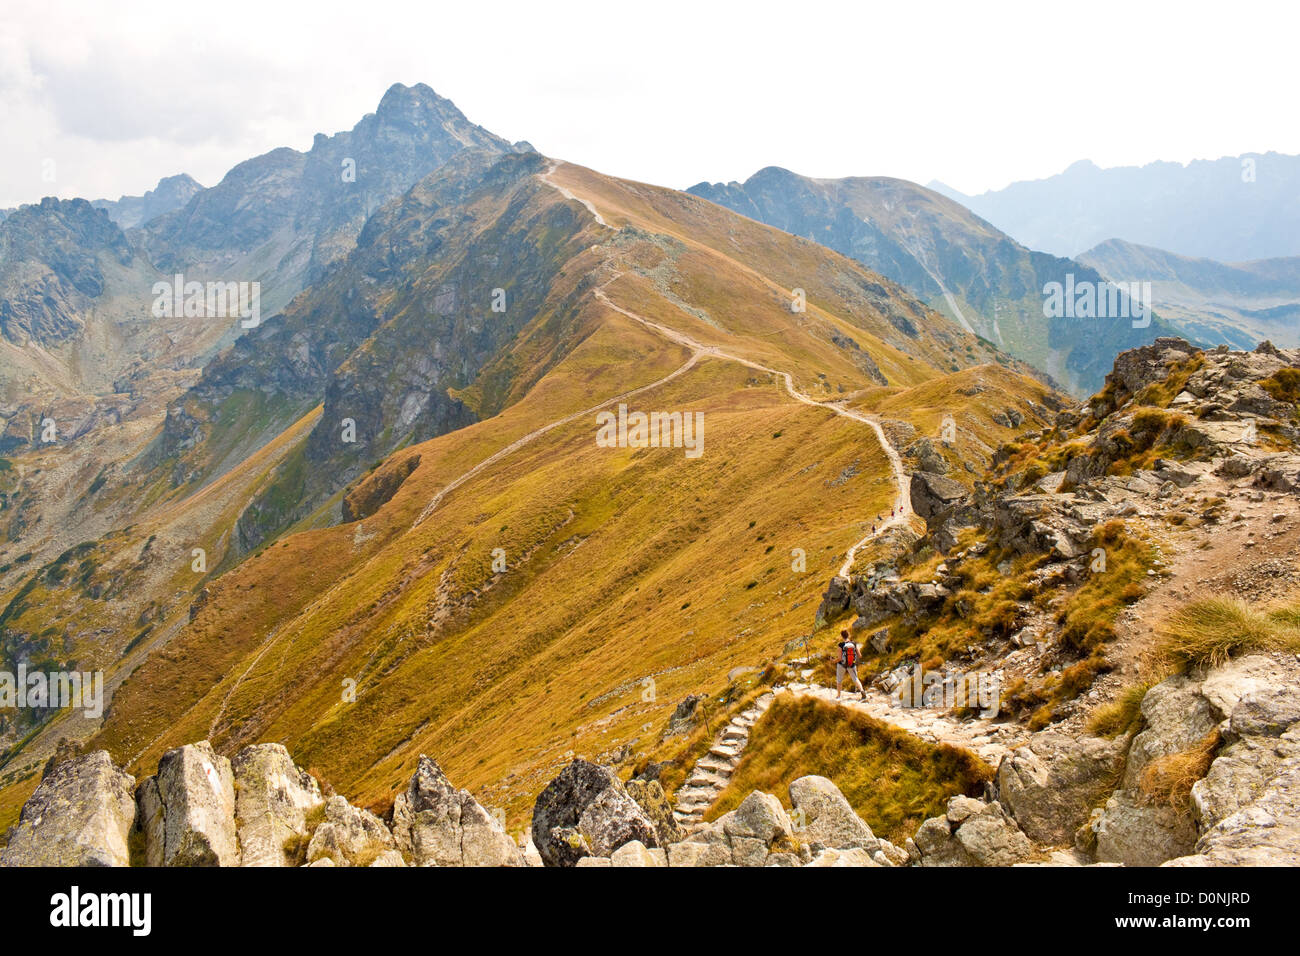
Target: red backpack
pixel 849 654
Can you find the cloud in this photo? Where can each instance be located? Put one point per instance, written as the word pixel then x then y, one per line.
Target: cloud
pixel 120 95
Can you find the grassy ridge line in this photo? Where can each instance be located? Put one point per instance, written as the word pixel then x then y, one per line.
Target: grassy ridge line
pixel 900 478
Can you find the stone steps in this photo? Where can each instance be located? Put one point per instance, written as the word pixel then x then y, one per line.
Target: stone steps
pixel 712 772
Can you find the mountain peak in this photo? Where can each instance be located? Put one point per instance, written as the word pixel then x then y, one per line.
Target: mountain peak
pixel 400 98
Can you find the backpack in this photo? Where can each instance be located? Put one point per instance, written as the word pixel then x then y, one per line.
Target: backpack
pixel 849 654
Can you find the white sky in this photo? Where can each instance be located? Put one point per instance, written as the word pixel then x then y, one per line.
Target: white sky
pixel 978 94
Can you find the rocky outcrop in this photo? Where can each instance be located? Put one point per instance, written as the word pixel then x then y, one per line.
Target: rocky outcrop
pixel 650 797
pixel 1049 784
pixel 1136 832
pixel 943 503
pixel 751 835
pixel 274 806
pixel 349 836
pixel 585 811
pixel 187 811
pixel 1248 804
pixel 80 815
pixel 436 824
pixel 635 853
pixel 824 819
pixel 971 833
pixel 1177 716
pixel 1243 810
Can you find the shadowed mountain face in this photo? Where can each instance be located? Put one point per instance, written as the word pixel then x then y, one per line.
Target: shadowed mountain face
pixel 1231 209
pixel 953 260
pixel 88 360
pixel 283 217
pixel 52 268
pixel 1237 304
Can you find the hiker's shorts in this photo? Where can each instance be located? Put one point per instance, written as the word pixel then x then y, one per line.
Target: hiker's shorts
pixel 841 670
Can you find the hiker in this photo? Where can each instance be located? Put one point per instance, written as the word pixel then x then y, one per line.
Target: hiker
pixel 848 663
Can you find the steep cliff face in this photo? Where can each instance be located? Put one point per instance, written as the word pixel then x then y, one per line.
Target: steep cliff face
pixel 53 257
pixel 438 289
pixel 282 218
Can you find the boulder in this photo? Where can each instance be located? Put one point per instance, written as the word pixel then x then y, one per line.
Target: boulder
pixel 933 495
pixel 1239 776
pixel 274 803
pixel 835 601
pixel 349 836
pixel 1266 713
pixel 1132 832
pixel 650 797
pixel 187 810
pixel 853 856
pixel 746 836
pixel 971 833
pixel 825 817
pixel 586 811
pixel 991 838
pixel 1226 686
pixel 637 853
pixel 1050 784
pixel 693 853
pixel 685 716
pixel 80 814
pixel 1178 716
pixel 433 822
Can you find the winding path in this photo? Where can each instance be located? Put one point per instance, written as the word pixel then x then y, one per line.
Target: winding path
pixel 712 772
pixel 698 350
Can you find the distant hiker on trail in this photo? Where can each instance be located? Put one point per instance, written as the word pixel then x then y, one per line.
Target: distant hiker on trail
pixel 848 663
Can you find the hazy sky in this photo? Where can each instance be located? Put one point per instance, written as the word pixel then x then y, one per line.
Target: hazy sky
pixel 99 98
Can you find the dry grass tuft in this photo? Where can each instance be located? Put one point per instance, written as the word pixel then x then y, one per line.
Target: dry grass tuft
pixel 1168 779
pixel 1210 631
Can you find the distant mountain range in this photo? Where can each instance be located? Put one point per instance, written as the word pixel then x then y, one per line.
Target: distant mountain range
pixel 172 192
pixel 1232 209
pixel 1234 303
pixel 952 259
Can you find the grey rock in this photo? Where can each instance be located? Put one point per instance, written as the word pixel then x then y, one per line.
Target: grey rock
pixel 1050 784
pixel 349 836
pixel 1178 716
pixel 826 817
pixel 434 822
pixel 80 814
pixel 187 811
pixel 585 811
pixel 1134 833
pixel 274 800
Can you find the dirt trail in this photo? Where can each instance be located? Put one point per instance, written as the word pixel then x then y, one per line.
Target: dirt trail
pixel 698 350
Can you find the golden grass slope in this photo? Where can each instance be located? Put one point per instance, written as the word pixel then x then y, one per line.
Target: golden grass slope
pixel 634 576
